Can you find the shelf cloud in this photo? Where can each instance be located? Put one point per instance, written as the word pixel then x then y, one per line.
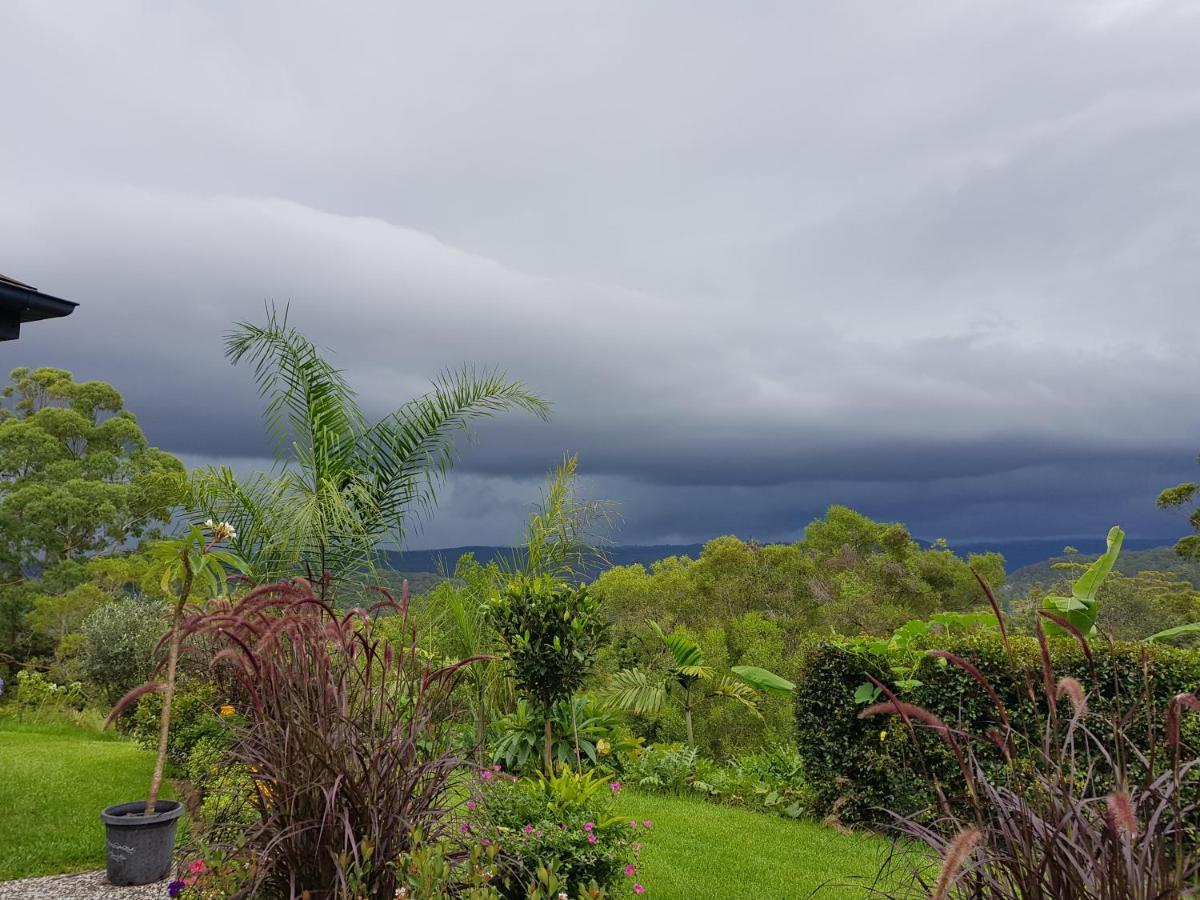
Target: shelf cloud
pixel 939 263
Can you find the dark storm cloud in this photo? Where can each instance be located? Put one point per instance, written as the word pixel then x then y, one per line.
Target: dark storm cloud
pixel 939 264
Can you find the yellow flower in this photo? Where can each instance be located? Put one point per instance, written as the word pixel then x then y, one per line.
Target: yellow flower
pixel 603 747
pixel 227 709
pixel 883 735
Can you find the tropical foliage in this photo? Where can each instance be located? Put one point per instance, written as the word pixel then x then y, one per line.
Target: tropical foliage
pixel 687 675
pixel 552 634
pixel 342 485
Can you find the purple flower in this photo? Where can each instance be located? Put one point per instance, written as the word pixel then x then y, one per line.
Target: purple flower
pixel 464 828
pixel 638 889
pixel 615 787
pixel 648 824
pixel 175 888
pixel 528 829
pixel 471 804
pixel 591 838
pixel 588 826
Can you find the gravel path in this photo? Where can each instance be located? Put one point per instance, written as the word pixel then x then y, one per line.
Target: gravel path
pixel 85 886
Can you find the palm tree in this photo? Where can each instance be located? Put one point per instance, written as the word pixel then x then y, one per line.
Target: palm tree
pixel 563 535
pixel 341 486
pixel 647 694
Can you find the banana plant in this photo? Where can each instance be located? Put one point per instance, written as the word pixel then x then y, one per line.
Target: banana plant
pixel 1081 609
pixel 690 678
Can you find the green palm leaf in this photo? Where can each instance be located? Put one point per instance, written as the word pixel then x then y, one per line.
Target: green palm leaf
pixel 762 680
pixel 686 653
pixel 634 691
pixel 736 690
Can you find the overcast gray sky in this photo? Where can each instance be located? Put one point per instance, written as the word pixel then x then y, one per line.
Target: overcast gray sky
pixel 938 261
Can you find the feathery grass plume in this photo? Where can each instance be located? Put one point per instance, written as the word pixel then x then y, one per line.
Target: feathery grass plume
pixel 1184 700
pixel 956 854
pixel 1121 816
pixel 987 590
pixel 1069 687
pixel 899 707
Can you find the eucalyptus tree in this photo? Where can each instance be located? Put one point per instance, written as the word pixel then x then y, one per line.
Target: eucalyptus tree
pixel 341 485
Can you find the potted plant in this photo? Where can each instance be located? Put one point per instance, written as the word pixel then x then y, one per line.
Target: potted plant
pixel 140 835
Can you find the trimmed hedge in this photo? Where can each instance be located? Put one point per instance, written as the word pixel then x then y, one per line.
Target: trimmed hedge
pixel 859 769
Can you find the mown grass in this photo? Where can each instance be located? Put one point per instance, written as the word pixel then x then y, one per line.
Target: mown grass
pixel 54 780
pixel 697 850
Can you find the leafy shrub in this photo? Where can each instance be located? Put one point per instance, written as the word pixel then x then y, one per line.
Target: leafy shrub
pixel 604 740
pixel 226 793
pixel 857 769
pixel 195 717
pixel 345 738
pixel 564 823
pixel 36 692
pixel 552 634
pixel 119 640
pixel 1082 805
pixel 770 780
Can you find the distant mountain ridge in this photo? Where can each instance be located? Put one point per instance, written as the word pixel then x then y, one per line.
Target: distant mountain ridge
pixel 443 559
pixel 1130 562
pixel 1027 561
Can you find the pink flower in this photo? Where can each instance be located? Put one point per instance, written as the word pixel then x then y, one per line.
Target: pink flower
pixel 588 826
pixel 471 804
pixel 487 842
pixel 630 870
pixel 648 824
pixel 196 866
pixel 538 832
pixel 487 775
pixel 496 768
pixel 615 787
pixel 529 829
pixel 633 824
pixel 591 838
pixel 464 828
pixel 638 889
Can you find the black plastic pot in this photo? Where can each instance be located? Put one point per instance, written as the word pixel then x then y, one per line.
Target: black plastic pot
pixel 140 846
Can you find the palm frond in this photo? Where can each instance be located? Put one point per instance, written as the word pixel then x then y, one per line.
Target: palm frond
pixel 561 537
pixel 685 651
pixel 736 690
pixel 409 452
pixel 309 401
pixel 635 691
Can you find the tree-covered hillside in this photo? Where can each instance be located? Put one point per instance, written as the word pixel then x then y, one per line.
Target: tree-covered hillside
pixel 1051 571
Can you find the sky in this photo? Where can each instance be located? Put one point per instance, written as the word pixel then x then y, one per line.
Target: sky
pixel 936 261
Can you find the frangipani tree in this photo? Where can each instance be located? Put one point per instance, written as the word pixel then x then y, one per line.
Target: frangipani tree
pixel 191 565
pixel 689 678
pixel 341 485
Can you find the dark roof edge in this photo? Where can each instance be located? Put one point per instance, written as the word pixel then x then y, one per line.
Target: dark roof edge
pixel 44 306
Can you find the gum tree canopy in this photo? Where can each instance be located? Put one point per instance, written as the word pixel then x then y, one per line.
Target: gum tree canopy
pixel 77 476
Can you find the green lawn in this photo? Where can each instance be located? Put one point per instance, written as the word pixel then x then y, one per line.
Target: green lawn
pixel 698 849
pixel 54 780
